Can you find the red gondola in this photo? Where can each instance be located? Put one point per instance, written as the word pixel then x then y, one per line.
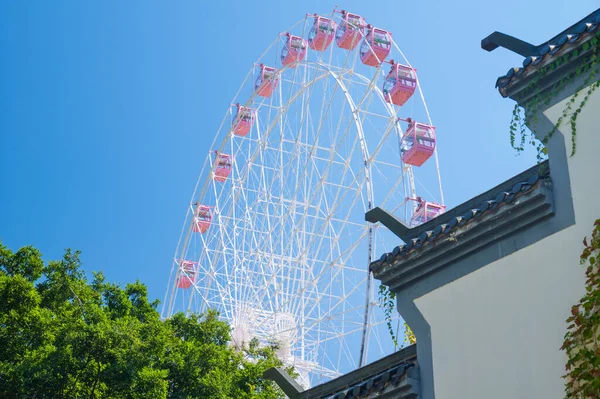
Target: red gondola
pixel 349 31
pixel 293 51
pixel 418 143
pixel 222 167
pixel 425 211
pixel 266 81
pixel 187 274
pixel 400 84
pixel 242 121
pixel 321 34
pixel 376 46
pixel 202 219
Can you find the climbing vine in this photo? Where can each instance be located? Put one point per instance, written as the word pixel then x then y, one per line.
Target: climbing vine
pixel 387 298
pixel 409 336
pixel 521 119
pixel 583 331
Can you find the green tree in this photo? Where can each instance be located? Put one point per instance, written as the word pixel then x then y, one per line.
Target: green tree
pixel 64 337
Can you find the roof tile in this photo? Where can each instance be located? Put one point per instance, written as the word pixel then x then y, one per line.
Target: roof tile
pixel 500 199
pixel 569 38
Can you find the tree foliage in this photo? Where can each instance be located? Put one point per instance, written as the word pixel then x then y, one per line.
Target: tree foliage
pixel 64 337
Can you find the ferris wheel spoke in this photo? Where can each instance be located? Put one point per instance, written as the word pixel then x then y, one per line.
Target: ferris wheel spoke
pixel 313 150
pixel 316 236
pixel 317 301
pixel 321 180
pixel 314 325
pixel 327 269
pixel 339 201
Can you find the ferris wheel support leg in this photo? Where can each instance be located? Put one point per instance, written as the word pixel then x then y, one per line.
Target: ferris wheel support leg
pixel 364 345
pixel 365 333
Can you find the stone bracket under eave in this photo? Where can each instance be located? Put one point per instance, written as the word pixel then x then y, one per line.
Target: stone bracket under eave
pixel 287 384
pixel 397 226
pixel 394 224
pixel 521 47
pixel 398 271
pixel 499 39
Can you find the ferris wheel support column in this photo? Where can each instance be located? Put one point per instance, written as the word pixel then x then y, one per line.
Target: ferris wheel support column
pixel 365 333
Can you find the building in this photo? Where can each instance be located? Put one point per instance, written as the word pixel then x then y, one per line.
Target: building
pixel 487 286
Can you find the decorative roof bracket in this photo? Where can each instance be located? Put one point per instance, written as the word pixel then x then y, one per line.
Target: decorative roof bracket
pixel 498 39
pixel 394 224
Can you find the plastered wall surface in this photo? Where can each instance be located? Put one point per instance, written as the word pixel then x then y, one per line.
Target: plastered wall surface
pixel 496 332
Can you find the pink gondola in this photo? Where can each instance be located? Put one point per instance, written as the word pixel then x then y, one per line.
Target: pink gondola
pixel 376 46
pixel 400 84
pixel 425 211
pixel 242 121
pixel 222 167
pixel 187 274
pixel 322 33
pixel 202 219
pixel 418 143
pixel 266 81
pixel 349 31
pixel 293 51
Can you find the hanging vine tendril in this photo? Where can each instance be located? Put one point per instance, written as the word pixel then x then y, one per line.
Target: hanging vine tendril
pixel 409 336
pixel 521 119
pixel 387 298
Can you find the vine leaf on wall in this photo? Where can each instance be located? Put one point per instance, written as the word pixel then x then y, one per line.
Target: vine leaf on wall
pixel 581 339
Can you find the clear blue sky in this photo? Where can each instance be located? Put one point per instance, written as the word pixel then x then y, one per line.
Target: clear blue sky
pixel 108 108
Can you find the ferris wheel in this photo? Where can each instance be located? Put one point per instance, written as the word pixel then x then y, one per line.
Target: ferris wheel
pixel 329 122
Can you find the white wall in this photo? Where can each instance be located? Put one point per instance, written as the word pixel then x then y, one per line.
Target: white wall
pixel 496 333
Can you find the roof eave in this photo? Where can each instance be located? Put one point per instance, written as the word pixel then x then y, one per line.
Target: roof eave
pixel 519 88
pixel 396 374
pixel 531 208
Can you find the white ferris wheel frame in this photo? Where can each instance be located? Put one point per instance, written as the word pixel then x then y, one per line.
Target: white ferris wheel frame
pixel 336 74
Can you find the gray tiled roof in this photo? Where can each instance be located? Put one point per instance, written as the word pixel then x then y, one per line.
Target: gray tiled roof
pixel 394 376
pixel 402 380
pixel 445 224
pixel 570 39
